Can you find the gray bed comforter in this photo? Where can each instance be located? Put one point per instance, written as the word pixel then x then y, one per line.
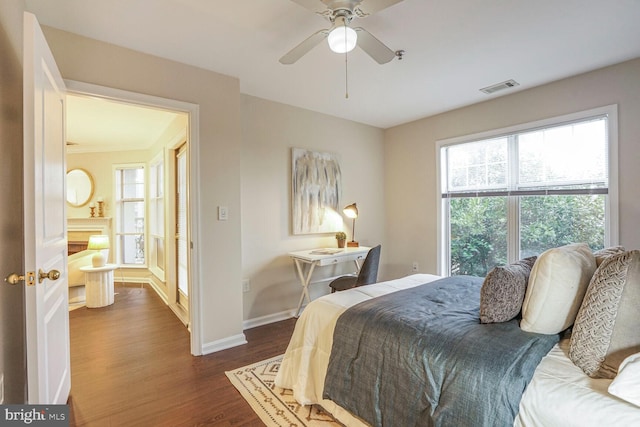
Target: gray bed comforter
pixel 420 357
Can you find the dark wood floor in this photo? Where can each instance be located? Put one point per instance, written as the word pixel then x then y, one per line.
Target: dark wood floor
pixel 131 366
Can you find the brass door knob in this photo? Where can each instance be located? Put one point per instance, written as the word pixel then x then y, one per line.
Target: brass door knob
pixel 14 279
pixel 52 275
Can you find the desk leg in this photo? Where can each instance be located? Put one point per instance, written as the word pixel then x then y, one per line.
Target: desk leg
pixel 358 266
pixel 304 281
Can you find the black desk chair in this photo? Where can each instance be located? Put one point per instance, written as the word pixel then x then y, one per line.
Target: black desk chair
pixel 367 276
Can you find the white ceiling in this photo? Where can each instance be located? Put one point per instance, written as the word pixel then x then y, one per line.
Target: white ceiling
pixel 453 47
pixel 97 125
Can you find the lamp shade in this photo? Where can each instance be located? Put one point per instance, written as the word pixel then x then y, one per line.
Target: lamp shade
pixel 98 241
pixel 351 211
pixel 100 244
pixel 342 39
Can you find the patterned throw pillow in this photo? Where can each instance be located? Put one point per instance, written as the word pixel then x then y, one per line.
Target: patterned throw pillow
pixel 503 291
pixel 606 329
pixel 605 253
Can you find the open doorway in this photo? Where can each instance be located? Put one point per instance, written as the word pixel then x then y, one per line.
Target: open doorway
pixel 142 228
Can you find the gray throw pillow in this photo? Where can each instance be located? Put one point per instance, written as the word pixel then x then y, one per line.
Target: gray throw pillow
pixel 606 328
pixel 503 291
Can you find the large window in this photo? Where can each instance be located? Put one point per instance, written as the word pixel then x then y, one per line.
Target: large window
pixel 130 215
pixel 514 193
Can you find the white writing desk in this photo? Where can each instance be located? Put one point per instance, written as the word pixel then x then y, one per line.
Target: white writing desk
pixel 306 262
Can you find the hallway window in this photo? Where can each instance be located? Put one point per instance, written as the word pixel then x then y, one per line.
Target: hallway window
pixel 130 215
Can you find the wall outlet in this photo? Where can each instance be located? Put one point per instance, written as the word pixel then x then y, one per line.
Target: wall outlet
pixel 246 285
pixel 414 267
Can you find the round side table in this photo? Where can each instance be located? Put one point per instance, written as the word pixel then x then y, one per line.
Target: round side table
pixel 99 285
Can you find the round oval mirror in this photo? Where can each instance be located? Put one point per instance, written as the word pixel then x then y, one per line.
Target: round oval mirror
pixel 79 187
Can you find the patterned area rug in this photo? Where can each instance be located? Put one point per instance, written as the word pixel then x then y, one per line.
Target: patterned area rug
pixel 275 406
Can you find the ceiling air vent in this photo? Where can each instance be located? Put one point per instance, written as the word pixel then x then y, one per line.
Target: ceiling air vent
pixel 499 86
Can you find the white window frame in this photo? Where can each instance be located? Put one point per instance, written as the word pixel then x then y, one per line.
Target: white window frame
pixel 116 233
pixel 612 215
pixel 156 197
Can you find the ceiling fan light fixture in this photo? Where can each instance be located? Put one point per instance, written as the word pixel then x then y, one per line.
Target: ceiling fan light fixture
pixel 342 39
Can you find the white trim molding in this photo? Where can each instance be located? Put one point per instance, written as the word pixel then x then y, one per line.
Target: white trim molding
pixel 270 318
pixel 224 343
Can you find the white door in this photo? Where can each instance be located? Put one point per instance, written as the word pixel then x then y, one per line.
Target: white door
pixel 45 242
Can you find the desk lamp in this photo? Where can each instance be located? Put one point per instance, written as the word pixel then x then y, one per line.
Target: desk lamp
pixel 351 211
pixel 99 242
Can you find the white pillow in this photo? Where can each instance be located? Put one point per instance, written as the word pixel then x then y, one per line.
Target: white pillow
pixel 557 284
pixel 626 384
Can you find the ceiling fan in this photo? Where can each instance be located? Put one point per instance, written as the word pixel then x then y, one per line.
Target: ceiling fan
pixel 341 36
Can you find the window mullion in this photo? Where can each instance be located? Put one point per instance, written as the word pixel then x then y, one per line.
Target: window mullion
pixel 513 202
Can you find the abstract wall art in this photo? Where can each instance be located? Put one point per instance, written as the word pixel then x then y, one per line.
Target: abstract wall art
pixel 316 190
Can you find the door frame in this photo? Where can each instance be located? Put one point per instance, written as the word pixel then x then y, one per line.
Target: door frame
pixel 193 112
pixel 172 247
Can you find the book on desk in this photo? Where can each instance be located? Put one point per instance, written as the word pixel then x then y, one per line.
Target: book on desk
pixel 326 251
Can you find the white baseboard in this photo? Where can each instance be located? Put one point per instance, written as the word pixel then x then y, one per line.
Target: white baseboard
pixel 181 314
pixel 224 343
pixel 144 281
pixel 122 279
pixel 161 294
pixel 270 318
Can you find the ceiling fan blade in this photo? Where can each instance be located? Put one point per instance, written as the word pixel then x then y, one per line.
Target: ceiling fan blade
pixel 299 51
pixel 374 47
pixel 369 7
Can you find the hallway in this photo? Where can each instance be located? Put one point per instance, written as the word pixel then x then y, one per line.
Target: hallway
pixel 130 366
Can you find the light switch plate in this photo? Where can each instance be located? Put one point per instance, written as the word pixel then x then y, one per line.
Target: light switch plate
pixel 223 213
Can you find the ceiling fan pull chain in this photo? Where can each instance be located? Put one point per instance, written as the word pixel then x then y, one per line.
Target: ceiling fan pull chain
pixel 346 76
pixel 346 65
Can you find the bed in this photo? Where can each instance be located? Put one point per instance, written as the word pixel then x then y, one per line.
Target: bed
pixel 559 392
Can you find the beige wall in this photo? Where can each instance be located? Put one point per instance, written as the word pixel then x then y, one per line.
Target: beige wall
pixel 269 131
pixel 218 97
pixel 12 362
pixel 410 154
pixel 100 166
